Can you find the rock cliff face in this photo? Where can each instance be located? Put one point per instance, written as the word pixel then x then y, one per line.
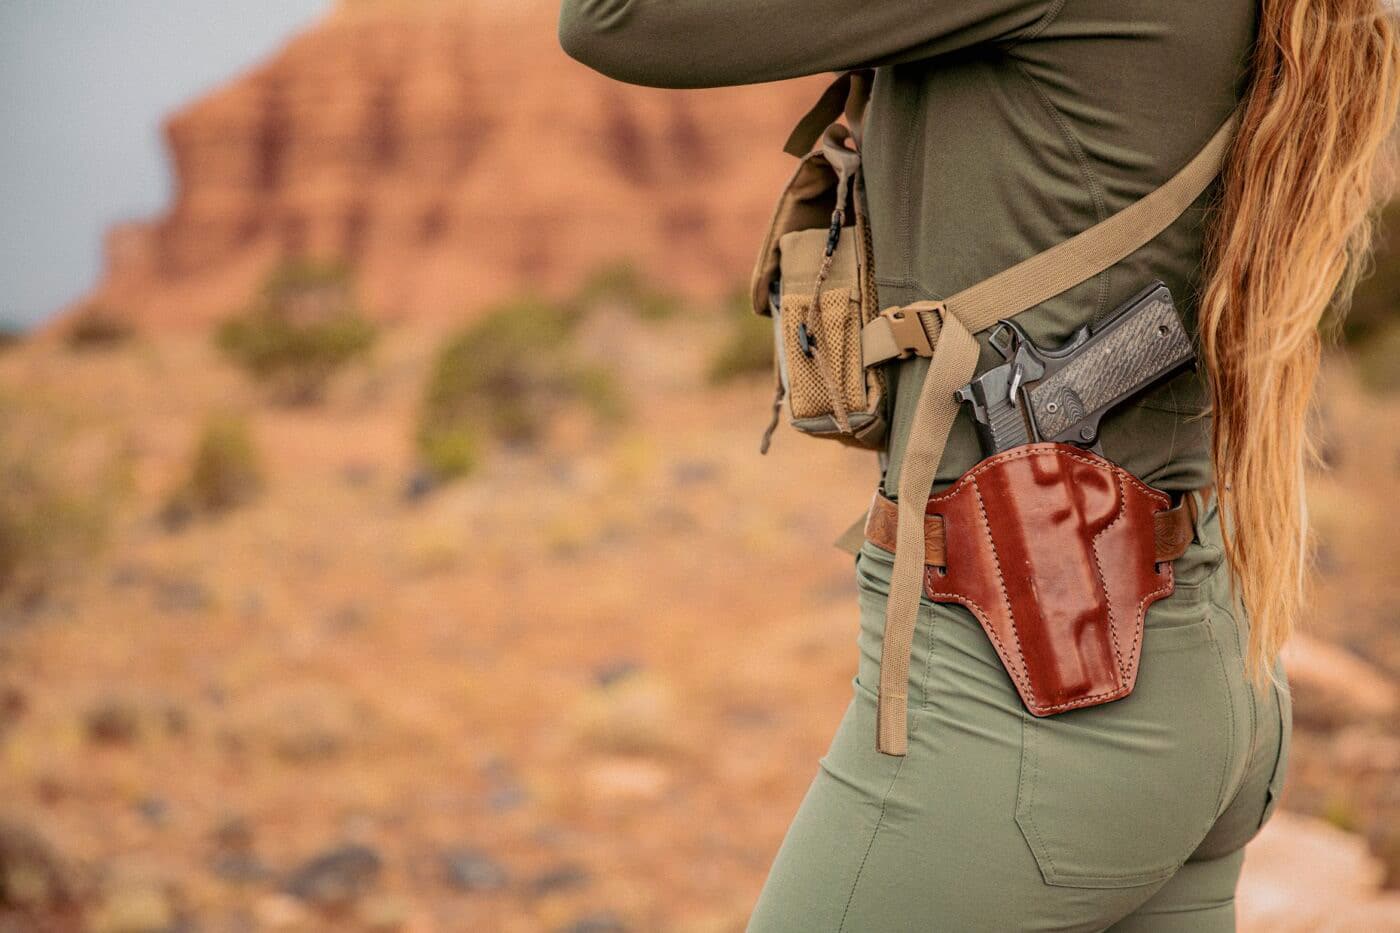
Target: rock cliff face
pixel 453 154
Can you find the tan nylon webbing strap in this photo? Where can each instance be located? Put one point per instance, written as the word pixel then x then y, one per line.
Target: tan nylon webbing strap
pixel 1066 264
pixel 950 325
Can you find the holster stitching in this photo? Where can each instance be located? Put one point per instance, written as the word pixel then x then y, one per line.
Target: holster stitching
pixel 1024 677
pixel 1021 679
pixel 1103 578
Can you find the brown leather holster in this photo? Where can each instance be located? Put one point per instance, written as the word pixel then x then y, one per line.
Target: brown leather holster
pixel 1058 553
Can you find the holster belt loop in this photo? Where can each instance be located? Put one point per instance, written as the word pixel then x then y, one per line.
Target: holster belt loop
pixel 1174 529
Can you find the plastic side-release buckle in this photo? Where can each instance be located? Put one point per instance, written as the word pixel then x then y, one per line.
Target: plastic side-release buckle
pixel 898 333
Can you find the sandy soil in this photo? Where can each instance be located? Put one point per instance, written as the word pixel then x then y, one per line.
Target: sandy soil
pixel 584 690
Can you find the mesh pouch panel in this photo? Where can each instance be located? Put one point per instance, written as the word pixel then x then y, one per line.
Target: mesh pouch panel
pixel 838 339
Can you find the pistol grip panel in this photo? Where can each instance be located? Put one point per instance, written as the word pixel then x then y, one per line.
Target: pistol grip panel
pixel 1052 548
pixel 1144 342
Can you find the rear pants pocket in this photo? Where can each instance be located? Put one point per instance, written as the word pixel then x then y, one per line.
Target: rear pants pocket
pixel 1119 795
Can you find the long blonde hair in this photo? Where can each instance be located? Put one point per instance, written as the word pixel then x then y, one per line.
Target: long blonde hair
pixel 1292 229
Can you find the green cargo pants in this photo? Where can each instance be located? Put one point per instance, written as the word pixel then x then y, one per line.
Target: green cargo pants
pixel 1128 816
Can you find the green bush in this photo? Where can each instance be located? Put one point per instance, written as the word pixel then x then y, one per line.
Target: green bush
pixel 225 472
pixel 747 349
pixel 97 328
pixel 449 451
pixel 1371 330
pixel 51 519
pixel 302 328
pixel 504 378
pixel 1376 302
pixel 622 283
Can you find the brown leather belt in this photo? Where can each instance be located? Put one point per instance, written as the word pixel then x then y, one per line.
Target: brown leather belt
pixel 1173 528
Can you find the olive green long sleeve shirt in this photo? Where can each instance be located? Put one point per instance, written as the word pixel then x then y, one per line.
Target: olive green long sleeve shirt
pixel 996 129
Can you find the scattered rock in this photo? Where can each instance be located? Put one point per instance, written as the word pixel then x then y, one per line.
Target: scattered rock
pixel 506 797
pixel 175 720
pixel 182 597
pixel 113 721
pixel 473 871
pixel 596 923
pixel 234 860
pixel 611 672
pixel 13 706
pixel 154 810
pixel 420 484
pixel 50 790
pixel 121 720
pixel 507 792
pixel 35 881
pixel 336 877
pixel 239 868
pixel 560 878
pixel 175 516
pixel 125 575
pixel 346 619
pixel 358 475
pixel 694 472
pixel 234 834
pixel 750 716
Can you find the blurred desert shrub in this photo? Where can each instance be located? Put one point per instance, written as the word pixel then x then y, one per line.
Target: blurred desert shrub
pixel 1371 329
pixel 53 507
pixel 97 328
pixel 621 283
pixel 225 472
pixel 302 327
pixel 747 349
pixel 504 378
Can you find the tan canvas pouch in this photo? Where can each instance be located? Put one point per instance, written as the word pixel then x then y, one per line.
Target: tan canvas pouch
pixel 834 326
pixel 815 276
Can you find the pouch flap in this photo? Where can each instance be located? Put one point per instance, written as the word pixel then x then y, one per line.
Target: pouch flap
pixel 806 203
pixel 800 254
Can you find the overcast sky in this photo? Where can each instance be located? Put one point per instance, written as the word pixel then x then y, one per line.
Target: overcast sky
pixel 83 87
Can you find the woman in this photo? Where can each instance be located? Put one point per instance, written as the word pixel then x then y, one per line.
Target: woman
pixel 996 129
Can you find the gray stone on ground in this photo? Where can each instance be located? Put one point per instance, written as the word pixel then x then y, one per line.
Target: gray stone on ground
pixel 473 871
pixel 336 877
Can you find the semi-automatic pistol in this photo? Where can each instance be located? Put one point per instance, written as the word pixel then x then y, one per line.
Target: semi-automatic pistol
pixel 1061 394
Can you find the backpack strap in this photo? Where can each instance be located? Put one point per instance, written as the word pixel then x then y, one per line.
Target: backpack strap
pixel 945 334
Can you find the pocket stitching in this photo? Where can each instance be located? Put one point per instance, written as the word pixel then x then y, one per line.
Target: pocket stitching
pixel 1230 721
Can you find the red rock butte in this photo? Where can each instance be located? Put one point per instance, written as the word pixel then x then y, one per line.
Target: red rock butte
pixel 453 155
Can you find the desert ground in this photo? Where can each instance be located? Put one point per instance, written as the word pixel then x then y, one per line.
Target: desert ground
pixel 582 689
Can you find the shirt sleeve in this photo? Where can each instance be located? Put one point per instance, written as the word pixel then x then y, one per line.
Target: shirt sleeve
pixel 712 43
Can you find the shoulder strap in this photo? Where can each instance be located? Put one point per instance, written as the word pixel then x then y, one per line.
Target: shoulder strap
pixel 849 94
pixel 945 333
